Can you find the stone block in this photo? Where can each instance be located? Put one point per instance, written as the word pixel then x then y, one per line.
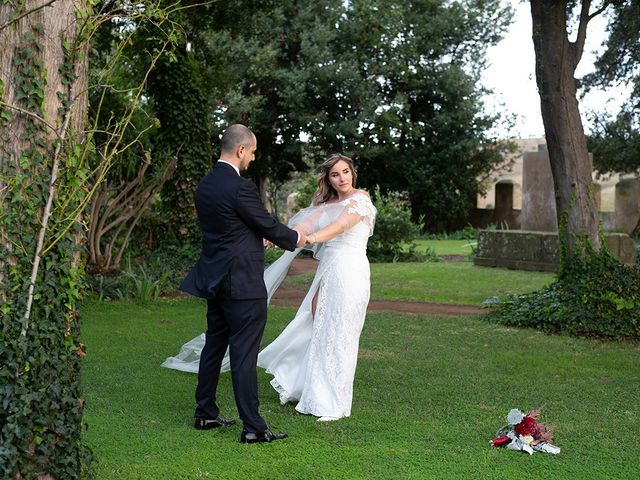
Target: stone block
pixel 622 246
pixel 627 204
pixel 537 251
pixel 538 195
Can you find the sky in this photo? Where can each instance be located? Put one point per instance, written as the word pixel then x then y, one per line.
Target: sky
pixel 511 74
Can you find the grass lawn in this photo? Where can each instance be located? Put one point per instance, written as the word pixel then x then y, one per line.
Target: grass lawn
pixel 430 393
pixel 446 247
pixel 442 282
pixel 445 282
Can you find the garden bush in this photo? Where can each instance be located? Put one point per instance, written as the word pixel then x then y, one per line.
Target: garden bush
pixel 395 233
pixel 594 297
pixel 467 233
pixel 144 278
pixel 306 189
pixel 155 274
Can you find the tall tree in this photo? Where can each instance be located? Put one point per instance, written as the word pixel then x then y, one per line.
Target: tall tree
pixel 265 60
pixel 43 86
pixel 615 142
pixel 594 294
pixel 122 123
pixel 556 60
pixel 185 129
pixel 392 83
pixel 426 132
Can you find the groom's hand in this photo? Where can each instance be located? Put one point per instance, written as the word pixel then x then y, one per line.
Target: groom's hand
pixel 303 240
pixel 267 244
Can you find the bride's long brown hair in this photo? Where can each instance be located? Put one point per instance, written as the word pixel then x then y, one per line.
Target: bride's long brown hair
pixel 325 191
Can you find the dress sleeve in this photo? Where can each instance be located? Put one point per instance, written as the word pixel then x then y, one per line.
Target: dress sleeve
pixel 307 219
pixel 358 209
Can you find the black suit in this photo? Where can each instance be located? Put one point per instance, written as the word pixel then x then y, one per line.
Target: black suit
pixel 229 274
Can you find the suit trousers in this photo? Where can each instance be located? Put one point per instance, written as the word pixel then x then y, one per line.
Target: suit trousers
pixel 238 324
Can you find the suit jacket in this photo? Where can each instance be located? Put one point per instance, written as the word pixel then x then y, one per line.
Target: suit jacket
pixel 233 221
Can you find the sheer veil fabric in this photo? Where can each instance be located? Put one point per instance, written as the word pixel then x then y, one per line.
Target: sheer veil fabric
pixel 313 360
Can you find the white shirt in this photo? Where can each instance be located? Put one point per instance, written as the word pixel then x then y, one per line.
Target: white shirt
pixel 234 167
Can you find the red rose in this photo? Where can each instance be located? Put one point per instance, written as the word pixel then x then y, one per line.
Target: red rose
pixel 500 441
pixel 527 427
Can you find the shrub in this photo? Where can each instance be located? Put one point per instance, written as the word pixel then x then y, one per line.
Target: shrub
pixel 271 255
pixel 307 188
pixel 170 264
pixel 131 284
pixel 595 297
pixel 158 273
pixel 394 233
pixel 467 233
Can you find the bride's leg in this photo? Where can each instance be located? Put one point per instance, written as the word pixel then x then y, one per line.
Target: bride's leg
pixel 314 300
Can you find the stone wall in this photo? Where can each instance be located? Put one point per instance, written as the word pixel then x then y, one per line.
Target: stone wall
pixel 538 213
pixel 540 251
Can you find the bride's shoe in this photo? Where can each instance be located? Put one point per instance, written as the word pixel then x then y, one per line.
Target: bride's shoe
pixel 328 419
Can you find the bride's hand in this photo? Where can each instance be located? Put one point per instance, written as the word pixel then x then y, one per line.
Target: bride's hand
pixel 304 240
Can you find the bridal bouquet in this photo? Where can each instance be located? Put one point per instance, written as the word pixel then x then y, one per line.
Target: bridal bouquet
pixel 524 433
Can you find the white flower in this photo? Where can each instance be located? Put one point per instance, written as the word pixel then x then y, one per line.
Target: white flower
pixel 528 439
pixel 515 416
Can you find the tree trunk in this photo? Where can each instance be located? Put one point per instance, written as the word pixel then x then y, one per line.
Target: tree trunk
pixel 556 61
pixel 263 188
pixel 59 23
pixel 43 90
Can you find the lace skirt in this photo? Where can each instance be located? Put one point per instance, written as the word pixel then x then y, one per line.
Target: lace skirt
pixel 314 359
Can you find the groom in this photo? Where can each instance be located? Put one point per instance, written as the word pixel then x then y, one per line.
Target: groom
pixel 229 274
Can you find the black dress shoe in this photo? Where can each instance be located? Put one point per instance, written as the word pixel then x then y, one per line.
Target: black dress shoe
pixel 208 423
pixel 266 436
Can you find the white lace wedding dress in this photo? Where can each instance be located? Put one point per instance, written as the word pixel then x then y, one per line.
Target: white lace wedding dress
pixel 313 360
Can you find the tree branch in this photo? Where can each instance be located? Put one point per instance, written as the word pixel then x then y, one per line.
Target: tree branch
pixel 578 45
pixel 107 154
pixel 585 18
pixel 14 20
pixel 31 114
pixel 604 6
pixel 45 222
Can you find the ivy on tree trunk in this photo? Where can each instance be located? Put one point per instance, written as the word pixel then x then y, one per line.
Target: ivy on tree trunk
pixel 43 73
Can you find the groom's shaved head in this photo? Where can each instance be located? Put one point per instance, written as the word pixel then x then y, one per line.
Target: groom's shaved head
pixel 234 136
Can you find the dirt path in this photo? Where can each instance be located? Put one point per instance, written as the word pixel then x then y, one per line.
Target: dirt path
pixel 291 297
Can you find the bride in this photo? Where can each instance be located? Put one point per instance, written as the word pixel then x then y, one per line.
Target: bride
pixel 313 360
